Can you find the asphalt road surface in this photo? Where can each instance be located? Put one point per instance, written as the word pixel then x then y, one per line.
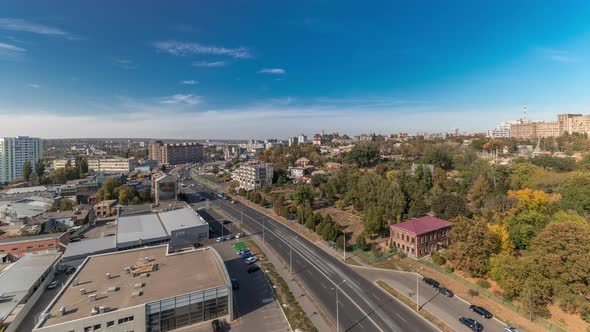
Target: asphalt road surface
pixel 362 306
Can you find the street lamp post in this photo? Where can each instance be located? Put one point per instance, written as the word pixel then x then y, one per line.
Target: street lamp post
pixel 291 255
pixel 337 311
pixel 344 244
pixel 417 291
pixel 263 229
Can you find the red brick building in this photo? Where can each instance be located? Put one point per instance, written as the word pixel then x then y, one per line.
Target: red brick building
pixel 18 246
pixel 420 237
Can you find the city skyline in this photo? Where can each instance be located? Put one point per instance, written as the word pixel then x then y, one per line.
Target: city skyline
pixel 260 70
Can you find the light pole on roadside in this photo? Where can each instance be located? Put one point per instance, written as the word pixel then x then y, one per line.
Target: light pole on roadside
pixel 344 244
pixel 337 311
pixel 291 255
pixel 263 229
pixel 417 291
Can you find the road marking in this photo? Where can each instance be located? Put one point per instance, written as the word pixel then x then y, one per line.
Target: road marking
pixel 398 315
pixel 375 296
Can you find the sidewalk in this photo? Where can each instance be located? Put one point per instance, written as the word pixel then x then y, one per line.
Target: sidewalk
pixel 305 300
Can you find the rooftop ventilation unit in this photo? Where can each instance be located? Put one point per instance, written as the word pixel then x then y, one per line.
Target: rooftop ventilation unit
pixel 82 291
pixel 62 311
pixel 144 275
pixel 101 309
pixel 136 293
pixel 76 281
pixel 127 269
pixel 92 297
pixel 138 285
pixel 94 311
pixel 113 289
pixel 109 275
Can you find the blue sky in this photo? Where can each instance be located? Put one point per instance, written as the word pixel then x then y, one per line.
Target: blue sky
pixel 256 69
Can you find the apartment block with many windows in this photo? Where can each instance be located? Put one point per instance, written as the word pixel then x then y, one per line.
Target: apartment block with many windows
pixel 252 175
pixel 15 152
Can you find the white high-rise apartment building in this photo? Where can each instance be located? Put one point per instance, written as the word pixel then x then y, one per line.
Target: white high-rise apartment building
pixel 254 174
pixel 14 152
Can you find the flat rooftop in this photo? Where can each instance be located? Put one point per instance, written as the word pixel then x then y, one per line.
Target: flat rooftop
pixel 180 218
pixel 133 228
pixel 176 274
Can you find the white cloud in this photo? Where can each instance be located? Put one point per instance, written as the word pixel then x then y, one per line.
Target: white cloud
pixel 274 71
pixel 189 82
pixel 33 85
pixel 16 24
pixel 558 55
pixel 125 63
pixel 186 99
pixel 183 49
pixel 209 63
pixel 11 48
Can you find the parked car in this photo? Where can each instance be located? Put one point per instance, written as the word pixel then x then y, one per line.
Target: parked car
pixel 235 284
pixel 480 310
pixel 229 237
pixel 232 201
pixel 219 239
pixel 52 284
pixel 239 235
pixel 253 268
pixel 217 325
pixel 431 282
pixel 446 292
pixel 511 329
pixel 251 260
pixel 245 255
pixel 471 323
pixel 242 251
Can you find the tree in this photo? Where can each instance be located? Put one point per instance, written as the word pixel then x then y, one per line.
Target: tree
pixel 536 295
pixel 449 206
pixel 65 204
pixel 373 220
pixel 509 272
pixel 40 168
pixel 439 156
pixel 575 192
pixel 473 246
pixel 303 194
pixel 361 243
pixel 126 194
pixel 27 170
pixel 364 154
pixel 478 194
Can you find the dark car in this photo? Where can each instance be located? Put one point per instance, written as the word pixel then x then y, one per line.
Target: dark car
pixel 431 282
pixel 471 323
pixel 253 268
pixel 217 325
pixel 235 284
pixel 445 291
pixel 480 310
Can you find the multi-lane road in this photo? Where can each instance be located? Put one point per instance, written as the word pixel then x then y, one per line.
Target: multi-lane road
pixel 362 306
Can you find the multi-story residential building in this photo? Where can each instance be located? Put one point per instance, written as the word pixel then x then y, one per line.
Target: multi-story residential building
pixel 175 153
pixel 420 237
pixel 566 123
pixel 293 141
pixel 14 152
pixel 254 174
pixel 102 165
pixel 302 139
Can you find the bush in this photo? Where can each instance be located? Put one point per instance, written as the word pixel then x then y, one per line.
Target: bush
pixel 483 283
pixel 438 259
pixel 449 269
pixel 402 254
pixel 472 292
pixel 361 243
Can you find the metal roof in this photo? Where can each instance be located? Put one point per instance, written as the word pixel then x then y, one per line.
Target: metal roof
pixel 31 238
pixel 81 249
pixel 138 228
pixel 17 279
pixel 180 218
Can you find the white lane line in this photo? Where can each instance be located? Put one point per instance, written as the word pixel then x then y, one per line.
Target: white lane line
pixel 375 296
pixel 398 315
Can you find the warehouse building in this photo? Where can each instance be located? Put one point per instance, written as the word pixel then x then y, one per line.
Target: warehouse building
pixel 144 289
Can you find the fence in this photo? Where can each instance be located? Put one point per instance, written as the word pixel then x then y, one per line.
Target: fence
pixel 369 257
pixel 542 322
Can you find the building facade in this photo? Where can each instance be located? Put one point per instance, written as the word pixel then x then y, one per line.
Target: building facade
pixel 566 123
pixel 175 153
pixel 419 237
pixel 101 165
pixel 14 152
pixel 252 175
pixel 19 246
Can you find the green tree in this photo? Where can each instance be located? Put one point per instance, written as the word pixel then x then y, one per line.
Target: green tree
pixel 575 193
pixel 126 194
pixel 40 168
pixel 373 220
pixel 303 194
pixel 65 205
pixel 364 154
pixel 439 156
pixel 27 170
pixel 478 194
pixel 449 206
pixel 361 243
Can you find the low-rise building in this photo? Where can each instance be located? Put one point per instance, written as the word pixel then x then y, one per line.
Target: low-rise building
pixel 101 165
pixel 145 289
pixel 254 174
pixel 164 187
pixel 418 237
pixel 21 285
pixel 297 172
pixel 302 162
pixel 105 209
pixel 19 246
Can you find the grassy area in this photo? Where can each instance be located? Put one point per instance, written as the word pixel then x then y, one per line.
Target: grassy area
pixel 407 301
pixel 352 261
pixel 294 312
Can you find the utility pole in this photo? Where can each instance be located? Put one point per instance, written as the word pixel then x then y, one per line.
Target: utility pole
pixel 417 294
pixel 344 244
pixel 337 310
pixel 263 229
pixel 241 218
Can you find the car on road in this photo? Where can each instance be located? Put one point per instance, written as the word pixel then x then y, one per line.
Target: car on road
pixel 242 251
pixel 251 260
pixel 52 284
pixel 471 323
pixel 245 255
pixel 253 268
pixel 480 310
pixel 235 284
pixel 431 282
pixel 239 235
pixel 446 292
pixel 219 239
pixel 232 201
pixel 229 237
pixel 217 325
pixel 511 329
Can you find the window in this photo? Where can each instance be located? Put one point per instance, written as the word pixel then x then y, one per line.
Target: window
pixel 125 320
pixel 14 249
pixel 88 329
pixel 96 327
pixel 111 323
pixel 29 247
pixel 50 245
pixel 41 246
